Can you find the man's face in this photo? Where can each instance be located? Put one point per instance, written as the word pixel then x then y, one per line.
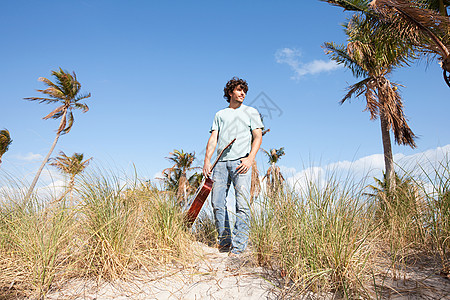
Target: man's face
pixel 238 94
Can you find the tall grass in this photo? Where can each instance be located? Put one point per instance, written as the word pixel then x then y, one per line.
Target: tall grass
pixel 435 186
pixel 324 236
pixel 107 215
pixel 318 238
pixel 114 228
pixel 327 236
pixel 415 216
pixel 128 225
pixel 35 243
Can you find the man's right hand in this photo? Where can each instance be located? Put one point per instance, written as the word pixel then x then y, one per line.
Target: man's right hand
pixel 207 168
pixel 212 142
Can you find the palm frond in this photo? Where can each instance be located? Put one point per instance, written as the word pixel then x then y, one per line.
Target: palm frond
pixel 54 113
pixel 82 106
pixel 194 182
pixel 339 54
pixel 53 92
pixel 351 5
pixel 67 82
pixel 374 50
pixel 274 154
pixel 62 123
pixel 41 100
pixel 432 27
pixel 5 141
pixel 358 88
pixel 70 121
pixel 393 108
pixel 372 101
pixel 48 82
pixel 81 97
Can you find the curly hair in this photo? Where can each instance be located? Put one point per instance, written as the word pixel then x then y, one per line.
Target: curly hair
pixel 232 84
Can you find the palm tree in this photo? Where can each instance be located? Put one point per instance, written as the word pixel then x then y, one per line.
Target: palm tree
pixel 5 141
pixel 274 178
pixel 175 177
pixel 71 166
pixel 66 93
pixel 351 5
pixel 170 179
pixel 425 24
pixel 385 195
pixel 371 55
pixel 194 182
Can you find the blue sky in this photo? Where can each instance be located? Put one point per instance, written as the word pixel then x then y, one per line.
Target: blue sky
pixel 156 71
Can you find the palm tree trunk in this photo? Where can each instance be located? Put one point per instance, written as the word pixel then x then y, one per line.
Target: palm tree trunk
pixel 71 186
pixel 33 184
pixel 69 190
pixel 387 149
pixel 181 191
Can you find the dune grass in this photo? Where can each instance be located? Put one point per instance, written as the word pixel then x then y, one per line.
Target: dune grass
pixel 318 238
pixel 114 228
pixel 327 236
pixel 322 237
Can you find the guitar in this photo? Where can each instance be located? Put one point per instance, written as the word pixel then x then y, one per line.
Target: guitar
pixel 202 193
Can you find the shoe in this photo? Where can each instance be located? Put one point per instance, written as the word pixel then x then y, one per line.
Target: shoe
pixel 223 248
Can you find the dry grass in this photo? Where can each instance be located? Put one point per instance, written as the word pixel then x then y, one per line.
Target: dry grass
pixel 319 239
pixel 114 228
pixel 329 237
pixel 326 238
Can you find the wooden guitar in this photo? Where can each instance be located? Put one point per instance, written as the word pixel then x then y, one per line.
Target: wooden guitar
pixel 202 193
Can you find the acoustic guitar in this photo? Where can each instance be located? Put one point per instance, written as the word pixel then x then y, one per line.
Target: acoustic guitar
pixel 202 193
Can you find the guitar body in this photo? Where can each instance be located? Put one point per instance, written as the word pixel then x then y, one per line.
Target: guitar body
pixel 200 197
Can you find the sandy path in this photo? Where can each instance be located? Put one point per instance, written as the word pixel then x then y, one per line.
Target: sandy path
pixel 216 276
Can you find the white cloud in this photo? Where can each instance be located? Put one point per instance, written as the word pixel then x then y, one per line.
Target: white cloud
pixel 29 157
pixel 300 179
pixel 49 175
pixel 365 168
pixel 291 57
pixel 49 186
pixel 54 189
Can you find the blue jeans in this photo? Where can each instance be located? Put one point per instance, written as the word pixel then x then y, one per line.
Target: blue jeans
pixel 224 174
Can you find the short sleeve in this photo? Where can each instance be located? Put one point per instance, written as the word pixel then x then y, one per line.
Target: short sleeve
pixel 215 124
pixel 255 120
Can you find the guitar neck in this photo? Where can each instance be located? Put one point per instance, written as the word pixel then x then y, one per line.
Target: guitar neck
pixel 220 154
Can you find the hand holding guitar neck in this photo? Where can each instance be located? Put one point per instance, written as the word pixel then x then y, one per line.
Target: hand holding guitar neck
pixel 220 155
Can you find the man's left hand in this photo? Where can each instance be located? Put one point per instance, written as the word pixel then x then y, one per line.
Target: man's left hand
pixel 246 164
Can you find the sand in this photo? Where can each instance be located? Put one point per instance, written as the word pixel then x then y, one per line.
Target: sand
pixel 217 276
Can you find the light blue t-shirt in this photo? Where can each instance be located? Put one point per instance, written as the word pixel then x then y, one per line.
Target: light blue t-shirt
pixel 236 123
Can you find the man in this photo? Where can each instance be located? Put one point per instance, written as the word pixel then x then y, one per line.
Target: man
pixel 243 123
